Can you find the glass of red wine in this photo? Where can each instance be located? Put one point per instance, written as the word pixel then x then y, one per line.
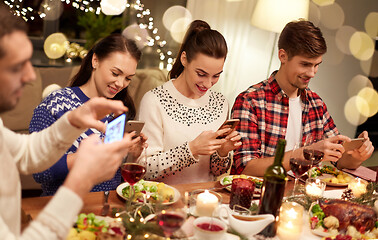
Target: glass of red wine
pixel 133 171
pixel 313 150
pixel 171 220
pixel 298 163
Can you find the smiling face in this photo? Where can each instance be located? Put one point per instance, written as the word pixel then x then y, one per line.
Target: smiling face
pixel 15 68
pixel 110 75
pixel 295 73
pixel 199 75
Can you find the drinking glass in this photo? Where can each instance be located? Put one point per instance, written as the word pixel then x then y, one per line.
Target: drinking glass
pixel 298 163
pixel 171 220
pixel 133 171
pixel 313 150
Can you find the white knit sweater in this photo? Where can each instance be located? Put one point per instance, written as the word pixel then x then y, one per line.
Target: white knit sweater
pixel 26 154
pixel 171 121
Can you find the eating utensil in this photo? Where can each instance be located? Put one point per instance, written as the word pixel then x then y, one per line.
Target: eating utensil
pixel 105 206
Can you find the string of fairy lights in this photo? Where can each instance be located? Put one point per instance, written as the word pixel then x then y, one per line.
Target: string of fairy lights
pixel 143 18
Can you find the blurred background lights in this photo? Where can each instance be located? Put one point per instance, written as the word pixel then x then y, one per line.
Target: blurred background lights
pixel 323 2
pixel 113 7
pixel 366 67
pixel 361 46
pixel 371 24
pixel 342 38
pixel 174 13
pixel 352 110
pixel 139 35
pixel 357 83
pixel 333 56
pixel 370 95
pixel 178 29
pixel 314 13
pixel 51 9
pixel 332 16
pixel 55 45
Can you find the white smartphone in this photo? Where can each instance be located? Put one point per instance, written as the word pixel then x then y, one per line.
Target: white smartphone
pixel 115 129
pixel 132 126
pixel 231 123
pixel 353 144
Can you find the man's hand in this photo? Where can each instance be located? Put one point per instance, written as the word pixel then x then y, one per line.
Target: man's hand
pixel 331 147
pixel 96 162
pixel 89 114
pixel 365 151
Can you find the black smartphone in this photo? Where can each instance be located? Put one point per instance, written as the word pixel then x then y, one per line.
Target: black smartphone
pixel 231 123
pixel 115 129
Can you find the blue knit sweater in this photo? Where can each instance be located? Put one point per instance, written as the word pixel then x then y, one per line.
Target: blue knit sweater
pixel 45 114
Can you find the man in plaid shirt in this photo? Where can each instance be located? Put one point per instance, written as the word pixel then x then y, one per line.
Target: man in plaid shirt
pixel 284 107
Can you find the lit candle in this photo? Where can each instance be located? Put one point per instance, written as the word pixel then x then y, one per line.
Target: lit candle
pixel 358 186
pixel 290 221
pixel 206 204
pixel 315 188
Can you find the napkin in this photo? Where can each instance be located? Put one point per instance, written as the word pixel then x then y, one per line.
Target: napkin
pixel 362 172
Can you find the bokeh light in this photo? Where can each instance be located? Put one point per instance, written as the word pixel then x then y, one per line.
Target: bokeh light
pixel 357 83
pixel 51 9
pixel 342 38
pixel 323 2
pixel 172 14
pixel 332 16
pixel 371 24
pixel 333 56
pixel 113 7
pixel 370 95
pixel 366 67
pixel 55 45
pixel 352 110
pixel 179 28
pixel 361 46
pixel 314 13
pixel 138 34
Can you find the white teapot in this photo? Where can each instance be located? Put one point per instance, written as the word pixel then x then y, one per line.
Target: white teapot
pixel 247 225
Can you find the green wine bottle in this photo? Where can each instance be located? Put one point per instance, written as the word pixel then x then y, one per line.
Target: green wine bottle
pixel 273 189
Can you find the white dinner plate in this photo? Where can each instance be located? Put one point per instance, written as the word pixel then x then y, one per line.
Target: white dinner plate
pixel 176 196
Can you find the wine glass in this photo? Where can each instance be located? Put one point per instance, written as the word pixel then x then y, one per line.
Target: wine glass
pixel 313 150
pixel 171 220
pixel 298 163
pixel 133 171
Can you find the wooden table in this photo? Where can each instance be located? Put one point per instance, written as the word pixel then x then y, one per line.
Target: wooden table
pixel 93 201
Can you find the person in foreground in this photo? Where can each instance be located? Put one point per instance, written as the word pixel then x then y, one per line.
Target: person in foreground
pixel 182 116
pixel 106 71
pixel 284 107
pixel 25 154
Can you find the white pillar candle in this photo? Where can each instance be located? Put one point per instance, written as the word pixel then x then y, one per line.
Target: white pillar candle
pixel 313 190
pixel 206 204
pixel 290 221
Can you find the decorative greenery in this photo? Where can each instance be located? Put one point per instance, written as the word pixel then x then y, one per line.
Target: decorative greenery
pixel 98 26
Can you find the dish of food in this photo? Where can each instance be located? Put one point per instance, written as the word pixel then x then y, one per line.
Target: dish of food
pixel 331 175
pixel 227 180
pixel 335 217
pixel 152 191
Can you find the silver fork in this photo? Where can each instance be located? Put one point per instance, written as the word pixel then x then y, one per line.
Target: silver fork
pixel 105 206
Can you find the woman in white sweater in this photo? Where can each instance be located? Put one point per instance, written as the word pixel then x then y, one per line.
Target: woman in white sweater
pixel 182 116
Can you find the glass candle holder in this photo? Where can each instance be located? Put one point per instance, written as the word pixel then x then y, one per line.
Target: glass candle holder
pixel 204 202
pixel 314 188
pixel 358 186
pixel 290 221
pixel 241 192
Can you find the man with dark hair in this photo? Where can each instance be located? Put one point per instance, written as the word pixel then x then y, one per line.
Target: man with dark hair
pixel 284 107
pixel 26 154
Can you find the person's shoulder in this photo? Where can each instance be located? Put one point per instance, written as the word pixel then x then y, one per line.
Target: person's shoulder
pixel 313 95
pixel 255 91
pixel 57 97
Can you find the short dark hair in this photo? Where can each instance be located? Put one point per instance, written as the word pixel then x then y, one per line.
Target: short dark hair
pixel 9 24
pixel 199 38
pixel 302 38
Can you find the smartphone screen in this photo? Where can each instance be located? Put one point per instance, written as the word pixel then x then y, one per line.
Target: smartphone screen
pixel 115 129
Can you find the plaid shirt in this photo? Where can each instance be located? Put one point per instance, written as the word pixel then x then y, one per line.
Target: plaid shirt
pixel 263 110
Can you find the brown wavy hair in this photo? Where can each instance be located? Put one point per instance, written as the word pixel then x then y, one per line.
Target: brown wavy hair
pixel 199 38
pixel 102 49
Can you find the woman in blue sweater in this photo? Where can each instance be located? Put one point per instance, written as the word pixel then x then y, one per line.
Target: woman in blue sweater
pixel 105 72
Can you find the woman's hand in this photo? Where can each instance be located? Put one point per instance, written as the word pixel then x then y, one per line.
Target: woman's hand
pixel 137 149
pixel 207 143
pixel 233 142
